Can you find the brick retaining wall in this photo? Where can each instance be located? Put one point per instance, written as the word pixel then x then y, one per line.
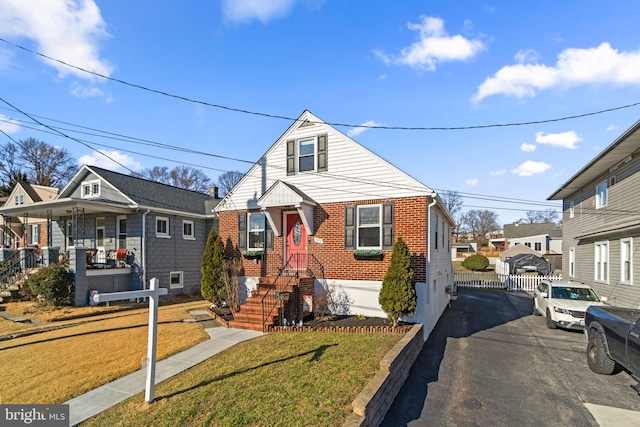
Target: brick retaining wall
pixel 373 402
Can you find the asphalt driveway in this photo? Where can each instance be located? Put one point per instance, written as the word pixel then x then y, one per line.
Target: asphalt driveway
pixel 490 362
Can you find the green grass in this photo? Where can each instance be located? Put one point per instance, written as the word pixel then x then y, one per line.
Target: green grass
pixel 279 379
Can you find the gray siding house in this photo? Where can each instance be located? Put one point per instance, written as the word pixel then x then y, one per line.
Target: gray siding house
pixel 601 221
pixel 153 229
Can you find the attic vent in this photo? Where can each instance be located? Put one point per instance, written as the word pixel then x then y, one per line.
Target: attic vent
pixel 306 123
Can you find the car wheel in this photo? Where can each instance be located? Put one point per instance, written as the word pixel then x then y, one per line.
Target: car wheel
pixel 550 323
pixel 534 310
pixel 597 357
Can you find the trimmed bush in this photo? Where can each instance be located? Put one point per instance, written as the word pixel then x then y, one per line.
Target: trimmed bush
pixel 398 294
pixel 476 262
pixel 213 287
pixel 52 284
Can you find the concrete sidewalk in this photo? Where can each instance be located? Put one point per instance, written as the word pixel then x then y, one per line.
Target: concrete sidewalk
pixel 96 401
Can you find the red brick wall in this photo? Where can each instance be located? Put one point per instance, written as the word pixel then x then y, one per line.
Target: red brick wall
pixel 410 219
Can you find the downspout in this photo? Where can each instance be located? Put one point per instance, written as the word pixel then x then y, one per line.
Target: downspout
pixel 144 249
pixel 429 206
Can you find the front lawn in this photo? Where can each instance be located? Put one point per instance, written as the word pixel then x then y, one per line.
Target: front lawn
pixel 279 379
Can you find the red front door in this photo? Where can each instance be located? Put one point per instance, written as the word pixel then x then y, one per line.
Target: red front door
pixel 296 255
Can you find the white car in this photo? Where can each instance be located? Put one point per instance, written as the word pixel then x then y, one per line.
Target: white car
pixel 564 303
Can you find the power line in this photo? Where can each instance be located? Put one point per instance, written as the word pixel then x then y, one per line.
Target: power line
pixel 295 119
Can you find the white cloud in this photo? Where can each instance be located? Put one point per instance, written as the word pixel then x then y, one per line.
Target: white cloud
pixel 97 159
pixel 261 10
pixel 611 127
pixel 471 182
pixel 530 168
pixel 365 126
pixel 527 148
pixel 594 66
pixel 433 46
pixel 8 125
pixel 68 30
pixel 565 139
pixel 498 173
pixel 527 55
pixel 85 92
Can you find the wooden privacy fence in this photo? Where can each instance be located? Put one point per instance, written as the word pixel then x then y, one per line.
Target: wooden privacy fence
pixel 491 280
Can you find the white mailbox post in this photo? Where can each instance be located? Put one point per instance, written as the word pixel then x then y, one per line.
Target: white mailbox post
pixel 153 293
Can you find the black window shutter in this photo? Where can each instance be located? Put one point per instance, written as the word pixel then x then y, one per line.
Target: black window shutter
pixel 322 153
pixel 269 234
pixel 387 226
pixel 242 231
pixel 350 227
pixel 291 157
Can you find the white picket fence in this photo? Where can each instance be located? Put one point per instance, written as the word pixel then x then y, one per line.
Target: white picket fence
pixel 490 280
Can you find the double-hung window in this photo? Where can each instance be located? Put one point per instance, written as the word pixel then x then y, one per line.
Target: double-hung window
pixel 538 246
pixel 571 209
pixel 162 227
pixel 369 227
pixel 35 234
pixel 18 199
pixel 91 189
pixel 187 230
pixel 256 231
pixel 626 261
pixel 601 262
pixel 601 194
pixel 306 155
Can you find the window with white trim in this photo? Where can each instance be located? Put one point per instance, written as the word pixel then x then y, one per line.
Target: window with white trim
pixel 572 262
pixel 188 230
pixel 601 262
pixel 175 280
pixel 91 189
pixel 162 227
pixel 626 261
pixel 35 234
pixel 255 231
pixel 369 226
pixel 18 199
pixel 538 246
pixel 121 222
pixel 601 194
pixel 306 155
pixel 571 209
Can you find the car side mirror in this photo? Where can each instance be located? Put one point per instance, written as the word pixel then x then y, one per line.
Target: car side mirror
pixel 544 294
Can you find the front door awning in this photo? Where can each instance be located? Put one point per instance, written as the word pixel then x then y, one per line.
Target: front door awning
pixel 282 195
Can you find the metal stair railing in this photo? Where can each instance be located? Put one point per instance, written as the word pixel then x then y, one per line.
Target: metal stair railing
pixel 273 299
pixel 11 271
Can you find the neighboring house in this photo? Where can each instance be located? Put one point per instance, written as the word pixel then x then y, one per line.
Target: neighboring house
pixel 518 250
pixel 158 230
pixel 535 236
pixel 601 221
pixel 459 250
pixel 318 201
pixel 21 231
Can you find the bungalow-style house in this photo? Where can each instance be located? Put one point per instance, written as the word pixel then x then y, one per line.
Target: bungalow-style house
pixel 535 236
pixel 145 228
pixel 321 211
pixel 21 231
pixel 601 221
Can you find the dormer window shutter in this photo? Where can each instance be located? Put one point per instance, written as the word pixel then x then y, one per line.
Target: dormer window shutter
pixel 387 226
pixel 242 231
pixel 291 157
pixel 322 153
pixel 350 227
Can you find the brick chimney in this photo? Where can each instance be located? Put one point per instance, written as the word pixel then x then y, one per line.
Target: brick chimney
pixel 213 191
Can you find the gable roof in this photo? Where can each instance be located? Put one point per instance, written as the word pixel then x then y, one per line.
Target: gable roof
pixel 624 147
pixel 515 230
pixel 517 250
pixel 353 172
pixel 143 192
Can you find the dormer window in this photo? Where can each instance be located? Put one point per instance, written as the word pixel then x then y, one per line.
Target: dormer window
pixel 307 154
pixel 91 189
pixel 18 199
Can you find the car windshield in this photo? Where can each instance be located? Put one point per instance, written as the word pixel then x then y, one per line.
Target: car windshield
pixel 568 292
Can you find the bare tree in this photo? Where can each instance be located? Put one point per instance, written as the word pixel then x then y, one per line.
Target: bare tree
pixel 228 180
pixel 453 201
pixel 231 277
pixel 541 217
pixel 185 177
pixel 479 222
pixel 43 164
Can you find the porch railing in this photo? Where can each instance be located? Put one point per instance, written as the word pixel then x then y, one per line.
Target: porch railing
pixel 17 267
pixel 491 280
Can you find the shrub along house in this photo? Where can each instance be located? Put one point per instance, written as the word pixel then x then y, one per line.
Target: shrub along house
pixel 317 211
pixel 133 229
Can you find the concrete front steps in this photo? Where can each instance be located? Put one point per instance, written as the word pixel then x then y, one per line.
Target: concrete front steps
pixel 12 293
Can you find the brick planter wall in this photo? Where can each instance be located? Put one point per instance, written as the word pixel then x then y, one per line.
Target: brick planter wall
pixel 372 404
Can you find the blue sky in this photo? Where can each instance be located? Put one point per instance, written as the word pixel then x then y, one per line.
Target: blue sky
pixel 415 64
